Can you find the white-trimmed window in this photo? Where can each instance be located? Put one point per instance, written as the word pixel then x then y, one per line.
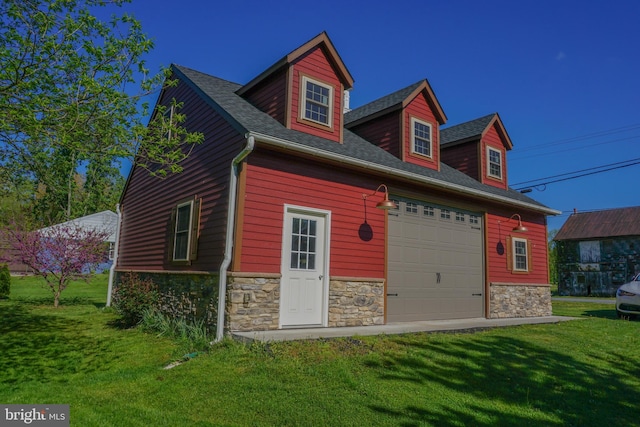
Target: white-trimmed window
pixel 316 101
pixel 459 217
pixel 303 244
pixel 494 163
pixel 445 214
pixel 473 219
pixel 520 251
pixel 421 137
pixel 184 236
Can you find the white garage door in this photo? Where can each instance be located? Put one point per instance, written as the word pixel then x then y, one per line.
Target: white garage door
pixel 435 263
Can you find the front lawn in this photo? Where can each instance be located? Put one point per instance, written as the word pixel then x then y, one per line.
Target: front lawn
pixel 582 372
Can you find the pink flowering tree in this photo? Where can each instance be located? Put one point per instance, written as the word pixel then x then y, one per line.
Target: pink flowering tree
pixel 59 254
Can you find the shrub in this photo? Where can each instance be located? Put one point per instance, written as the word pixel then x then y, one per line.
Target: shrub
pixel 133 296
pixel 191 336
pixel 5 281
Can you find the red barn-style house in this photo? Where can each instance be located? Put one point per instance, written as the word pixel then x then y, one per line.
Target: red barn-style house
pixel 275 221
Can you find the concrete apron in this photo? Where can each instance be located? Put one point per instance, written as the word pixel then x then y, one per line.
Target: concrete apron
pixel 393 328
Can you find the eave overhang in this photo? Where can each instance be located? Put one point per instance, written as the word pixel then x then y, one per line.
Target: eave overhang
pixel 262 139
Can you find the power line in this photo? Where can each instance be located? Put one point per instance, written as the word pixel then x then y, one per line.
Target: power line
pixel 575 177
pixel 581 137
pixel 578 171
pixel 570 148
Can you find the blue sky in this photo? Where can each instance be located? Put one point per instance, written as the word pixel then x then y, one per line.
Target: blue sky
pixel 563 75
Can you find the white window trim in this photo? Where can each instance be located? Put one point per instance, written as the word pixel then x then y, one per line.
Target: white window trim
pixel 489 150
pixel 175 231
pixel 303 101
pixel 514 255
pixel 413 121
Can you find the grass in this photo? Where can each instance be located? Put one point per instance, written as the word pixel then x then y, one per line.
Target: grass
pixel 583 372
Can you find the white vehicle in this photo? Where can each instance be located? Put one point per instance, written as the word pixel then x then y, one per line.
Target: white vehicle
pixel 628 298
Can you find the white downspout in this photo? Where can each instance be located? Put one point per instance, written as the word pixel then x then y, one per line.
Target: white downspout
pixel 112 270
pixel 228 249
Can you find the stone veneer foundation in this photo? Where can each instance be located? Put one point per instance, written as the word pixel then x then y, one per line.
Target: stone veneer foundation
pixel 254 302
pixel 190 296
pixel 519 300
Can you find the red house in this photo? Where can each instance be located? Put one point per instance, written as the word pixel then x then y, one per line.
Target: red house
pixel 273 223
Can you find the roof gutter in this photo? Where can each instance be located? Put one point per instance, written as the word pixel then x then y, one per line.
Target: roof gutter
pixel 115 256
pixel 283 143
pixel 231 220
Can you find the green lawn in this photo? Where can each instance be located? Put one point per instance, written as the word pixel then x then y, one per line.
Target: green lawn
pixel 578 373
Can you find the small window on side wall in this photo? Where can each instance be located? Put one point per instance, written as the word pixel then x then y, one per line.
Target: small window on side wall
pixel 494 163
pixel 185 223
pixel 421 138
pixel 518 255
pixel 316 101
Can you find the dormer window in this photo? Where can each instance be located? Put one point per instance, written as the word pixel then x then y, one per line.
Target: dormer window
pixel 317 102
pixel 421 138
pixel 494 163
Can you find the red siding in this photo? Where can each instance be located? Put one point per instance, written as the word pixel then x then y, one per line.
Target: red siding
pixel 273 181
pixel 492 139
pixel 148 201
pixel 419 109
pixel 497 248
pixel 270 96
pixel 315 65
pixel 463 157
pixel 383 132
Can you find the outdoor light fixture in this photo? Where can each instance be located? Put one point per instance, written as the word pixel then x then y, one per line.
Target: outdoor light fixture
pixel 386 204
pixel 518 228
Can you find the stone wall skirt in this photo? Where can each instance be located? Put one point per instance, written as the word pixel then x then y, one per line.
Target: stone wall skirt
pixel 254 302
pixel 190 296
pixel 519 300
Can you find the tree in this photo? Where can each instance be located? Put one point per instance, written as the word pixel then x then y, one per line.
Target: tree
pixel 553 257
pixel 5 281
pixel 70 99
pixel 59 254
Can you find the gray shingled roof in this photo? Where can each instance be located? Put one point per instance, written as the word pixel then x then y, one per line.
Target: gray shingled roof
pixel 465 130
pixel 380 104
pixel 220 94
pixel 605 223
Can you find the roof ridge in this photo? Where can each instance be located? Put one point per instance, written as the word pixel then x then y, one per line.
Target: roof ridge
pixel 381 104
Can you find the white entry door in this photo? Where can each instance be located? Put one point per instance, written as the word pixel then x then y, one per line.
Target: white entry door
pixel 304 268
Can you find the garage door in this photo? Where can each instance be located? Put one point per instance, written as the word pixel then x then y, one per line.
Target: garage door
pixel 435 263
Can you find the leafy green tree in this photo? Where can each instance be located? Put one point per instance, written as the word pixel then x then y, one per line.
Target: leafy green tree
pixel 71 99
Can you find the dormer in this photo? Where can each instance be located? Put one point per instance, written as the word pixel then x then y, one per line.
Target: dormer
pixel 304 90
pixel 406 123
pixel 478 148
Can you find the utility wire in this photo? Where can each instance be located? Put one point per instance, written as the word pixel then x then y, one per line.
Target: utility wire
pixel 515 155
pixel 581 137
pixel 578 171
pixel 577 176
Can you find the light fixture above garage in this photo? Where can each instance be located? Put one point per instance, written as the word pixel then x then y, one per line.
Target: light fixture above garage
pixel 385 204
pixel 518 228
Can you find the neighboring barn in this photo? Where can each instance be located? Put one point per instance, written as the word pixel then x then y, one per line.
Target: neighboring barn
pixel 273 222
pixel 598 251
